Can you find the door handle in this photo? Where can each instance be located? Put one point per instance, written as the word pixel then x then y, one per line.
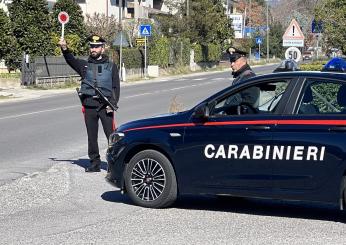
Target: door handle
pixel 258 127
pixel 338 129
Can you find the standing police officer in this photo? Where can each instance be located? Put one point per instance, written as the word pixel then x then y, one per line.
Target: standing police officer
pixel 99 71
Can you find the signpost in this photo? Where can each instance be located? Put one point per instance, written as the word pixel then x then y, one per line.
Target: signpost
pixel 259 41
pixel 63 18
pixel 145 31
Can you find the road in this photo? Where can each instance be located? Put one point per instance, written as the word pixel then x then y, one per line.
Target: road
pixel 47 198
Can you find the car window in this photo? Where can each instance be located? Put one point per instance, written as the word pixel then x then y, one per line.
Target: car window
pixel 257 99
pixel 323 97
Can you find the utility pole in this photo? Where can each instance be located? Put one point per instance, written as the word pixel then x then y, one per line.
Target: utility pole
pixel 267 30
pixel 187 7
pixel 250 31
pixel 121 38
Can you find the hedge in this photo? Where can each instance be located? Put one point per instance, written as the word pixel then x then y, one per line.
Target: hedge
pixel 131 57
pixel 159 52
pixel 314 66
pixel 211 53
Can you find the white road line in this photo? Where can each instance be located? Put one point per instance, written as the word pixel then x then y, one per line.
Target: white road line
pixel 198 79
pixel 38 112
pixel 168 90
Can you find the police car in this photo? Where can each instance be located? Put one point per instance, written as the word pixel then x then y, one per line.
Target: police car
pixel 281 135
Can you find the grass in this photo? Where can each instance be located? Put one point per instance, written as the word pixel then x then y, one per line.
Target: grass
pixel 70 83
pixel 10 75
pixel 3 97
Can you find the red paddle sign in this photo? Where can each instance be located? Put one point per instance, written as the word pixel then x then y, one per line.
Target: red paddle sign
pixel 63 17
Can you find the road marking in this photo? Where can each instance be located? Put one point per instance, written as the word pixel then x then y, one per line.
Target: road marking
pixel 198 79
pixel 168 90
pixel 38 112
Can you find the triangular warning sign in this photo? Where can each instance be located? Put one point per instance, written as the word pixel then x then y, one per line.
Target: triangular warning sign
pixel 145 31
pixel 293 31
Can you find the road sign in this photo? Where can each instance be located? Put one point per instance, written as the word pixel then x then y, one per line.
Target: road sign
pixel 293 36
pixel 316 26
pixel 259 40
pixel 293 53
pixel 63 17
pixel 145 30
pixel 140 41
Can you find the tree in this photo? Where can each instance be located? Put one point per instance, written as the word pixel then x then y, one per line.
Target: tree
pixel 5 34
pixel 75 26
pixel 100 24
pixel 255 13
pixel 275 41
pixel 31 26
pixel 8 44
pixel 332 14
pixel 207 22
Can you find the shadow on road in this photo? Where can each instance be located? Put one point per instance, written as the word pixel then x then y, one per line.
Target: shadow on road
pixel 276 208
pixel 84 162
pixel 115 196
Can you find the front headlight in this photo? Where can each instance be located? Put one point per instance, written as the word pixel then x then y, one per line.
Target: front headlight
pixel 114 138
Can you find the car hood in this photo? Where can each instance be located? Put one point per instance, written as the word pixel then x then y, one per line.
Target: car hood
pixel 157 121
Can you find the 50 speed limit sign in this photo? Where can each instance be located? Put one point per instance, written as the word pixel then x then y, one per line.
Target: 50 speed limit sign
pixel 293 53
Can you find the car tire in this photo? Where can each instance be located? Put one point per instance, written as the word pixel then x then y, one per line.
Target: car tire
pixel 150 180
pixel 343 194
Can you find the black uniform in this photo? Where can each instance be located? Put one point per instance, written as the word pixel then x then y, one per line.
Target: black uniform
pixel 104 74
pixel 248 97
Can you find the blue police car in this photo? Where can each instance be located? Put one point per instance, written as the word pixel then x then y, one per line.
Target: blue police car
pixel 281 135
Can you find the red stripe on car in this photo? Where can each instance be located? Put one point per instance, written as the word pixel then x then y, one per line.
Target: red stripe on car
pixel 274 122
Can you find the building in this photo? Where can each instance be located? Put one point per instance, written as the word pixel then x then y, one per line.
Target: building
pixel 131 9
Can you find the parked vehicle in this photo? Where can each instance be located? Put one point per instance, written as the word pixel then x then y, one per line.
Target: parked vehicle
pixel 288 144
pixel 336 65
pixel 307 55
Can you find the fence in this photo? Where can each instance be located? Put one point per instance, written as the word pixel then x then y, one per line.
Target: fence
pixel 47 69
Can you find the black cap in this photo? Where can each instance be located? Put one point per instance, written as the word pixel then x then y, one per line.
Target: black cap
pixel 96 40
pixel 235 53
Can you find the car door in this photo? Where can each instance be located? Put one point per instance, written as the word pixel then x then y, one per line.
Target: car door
pixel 227 151
pixel 312 137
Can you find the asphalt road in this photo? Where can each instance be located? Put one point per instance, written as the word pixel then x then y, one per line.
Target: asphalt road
pixel 47 198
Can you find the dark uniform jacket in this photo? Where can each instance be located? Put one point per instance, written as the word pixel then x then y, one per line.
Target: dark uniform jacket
pixel 80 66
pixel 248 96
pixel 242 74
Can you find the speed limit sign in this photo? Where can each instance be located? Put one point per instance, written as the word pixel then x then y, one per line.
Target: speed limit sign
pixel 293 53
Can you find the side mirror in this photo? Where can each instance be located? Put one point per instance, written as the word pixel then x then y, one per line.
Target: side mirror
pixel 201 111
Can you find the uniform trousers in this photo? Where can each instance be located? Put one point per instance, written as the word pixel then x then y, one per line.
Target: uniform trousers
pixel 91 118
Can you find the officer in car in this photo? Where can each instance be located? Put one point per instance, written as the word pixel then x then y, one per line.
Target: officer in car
pixel 247 100
pixel 103 74
pixel 240 68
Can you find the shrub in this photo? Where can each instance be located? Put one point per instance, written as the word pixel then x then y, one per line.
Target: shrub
pixel 314 66
pixel 159 52
pixel 131 57
pixel 214 52
pixel 198 52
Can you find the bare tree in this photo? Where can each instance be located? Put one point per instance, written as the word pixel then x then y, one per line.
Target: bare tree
pixel 102 25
